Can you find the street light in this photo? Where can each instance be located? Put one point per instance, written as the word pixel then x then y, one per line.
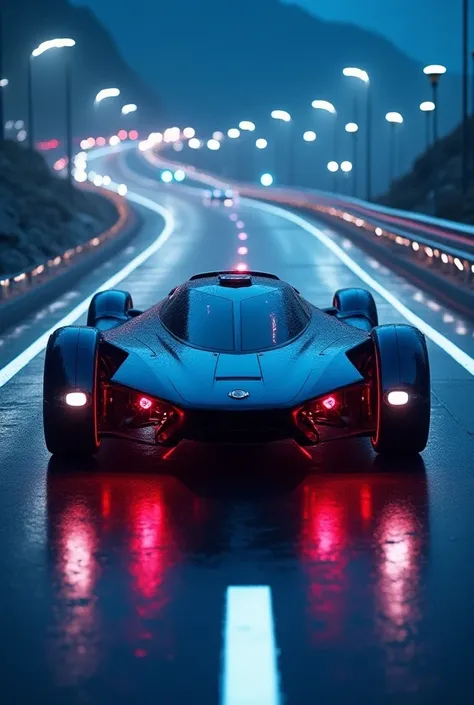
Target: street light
pixel 434 73
pixel 129 108
pixel 284 116
pixel 213 145
pixel 309 136
pixel 4 82
pixel 427 107
pixel 266 179
pixel 327 107
pixel 57 43
pixel 281 115
pixel 247 125
pixel 261 143
pixel 189 132
pixel 352 128
pixel 363 76
pixel 333 167
pixel 346 167
pixel 106 93
pixel 194 143
pixel 393 119
pixel 233 133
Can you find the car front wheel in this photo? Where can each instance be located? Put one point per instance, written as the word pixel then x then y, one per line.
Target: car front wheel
pixel 70 397
pixel 401 397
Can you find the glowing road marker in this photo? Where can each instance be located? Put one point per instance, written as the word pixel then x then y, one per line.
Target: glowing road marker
pixel 250 669
pixel 435 336
pixel 25 357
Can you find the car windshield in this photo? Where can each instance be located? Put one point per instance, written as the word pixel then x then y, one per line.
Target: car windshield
pixel 201 319
pixel 270 320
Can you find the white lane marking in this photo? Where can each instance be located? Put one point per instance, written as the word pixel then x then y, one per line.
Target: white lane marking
pixel 461 357
pixel 250 669
pixel 19 362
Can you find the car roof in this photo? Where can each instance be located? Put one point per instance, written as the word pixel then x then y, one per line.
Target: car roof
pixel 235 312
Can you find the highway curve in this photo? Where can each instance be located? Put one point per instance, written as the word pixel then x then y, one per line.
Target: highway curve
pixel 114 575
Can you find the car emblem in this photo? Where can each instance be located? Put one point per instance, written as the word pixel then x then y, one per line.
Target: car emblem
pixel 238 394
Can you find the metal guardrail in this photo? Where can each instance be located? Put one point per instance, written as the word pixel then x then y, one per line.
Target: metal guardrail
pixel 16 284
pixel 441 258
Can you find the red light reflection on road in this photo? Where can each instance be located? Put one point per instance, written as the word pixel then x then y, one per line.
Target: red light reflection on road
pixel 366 502
pixel 362 544
pixel 77 572
pixel 146 545
pixel 324 536
pixel 398 571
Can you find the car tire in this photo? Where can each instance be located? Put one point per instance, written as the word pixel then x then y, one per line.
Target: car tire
pixel 357 308
pixel 109 309
pixel 71 366
pixel 401 364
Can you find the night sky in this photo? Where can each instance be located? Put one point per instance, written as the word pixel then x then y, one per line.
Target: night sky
pixel 428 30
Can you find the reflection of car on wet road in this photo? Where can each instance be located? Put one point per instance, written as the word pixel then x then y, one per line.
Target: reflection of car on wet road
pixel 231 357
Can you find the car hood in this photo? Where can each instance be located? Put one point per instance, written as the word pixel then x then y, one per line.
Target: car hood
pixel 199 379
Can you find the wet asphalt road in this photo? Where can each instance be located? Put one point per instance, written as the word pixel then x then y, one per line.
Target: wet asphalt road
pixel 113 575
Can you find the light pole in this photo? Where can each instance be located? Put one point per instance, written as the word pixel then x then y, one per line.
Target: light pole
pixel 327 107
pixel 246 151
pixel 361 75
pixel 284 116
pixel 465 96
pixel 434 73
pixel 58 43
pixel 353 129
pixel 333 168
pixel 3 82
pixel 102 95
pixel 393 119
pixel 309 136
pixel 427 107
pixel 346 168
pixel 233 134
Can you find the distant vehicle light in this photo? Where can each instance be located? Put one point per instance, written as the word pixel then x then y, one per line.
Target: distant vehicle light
pixel 217 193
pixel 213 145
pixel 398 398
pixel 309 136
pixel 261 143
pixel 266 179
pixel 76 399
pixel 122 134
pixel 179 175
pixel 346 167
pixel 189 132
pixel 242 267
pixel 242 251
pixel 194 143
pixel 233 133
pixel 122 190
pixel 333 167
pixel 167 176
pixel 133 135
pixel 145 403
